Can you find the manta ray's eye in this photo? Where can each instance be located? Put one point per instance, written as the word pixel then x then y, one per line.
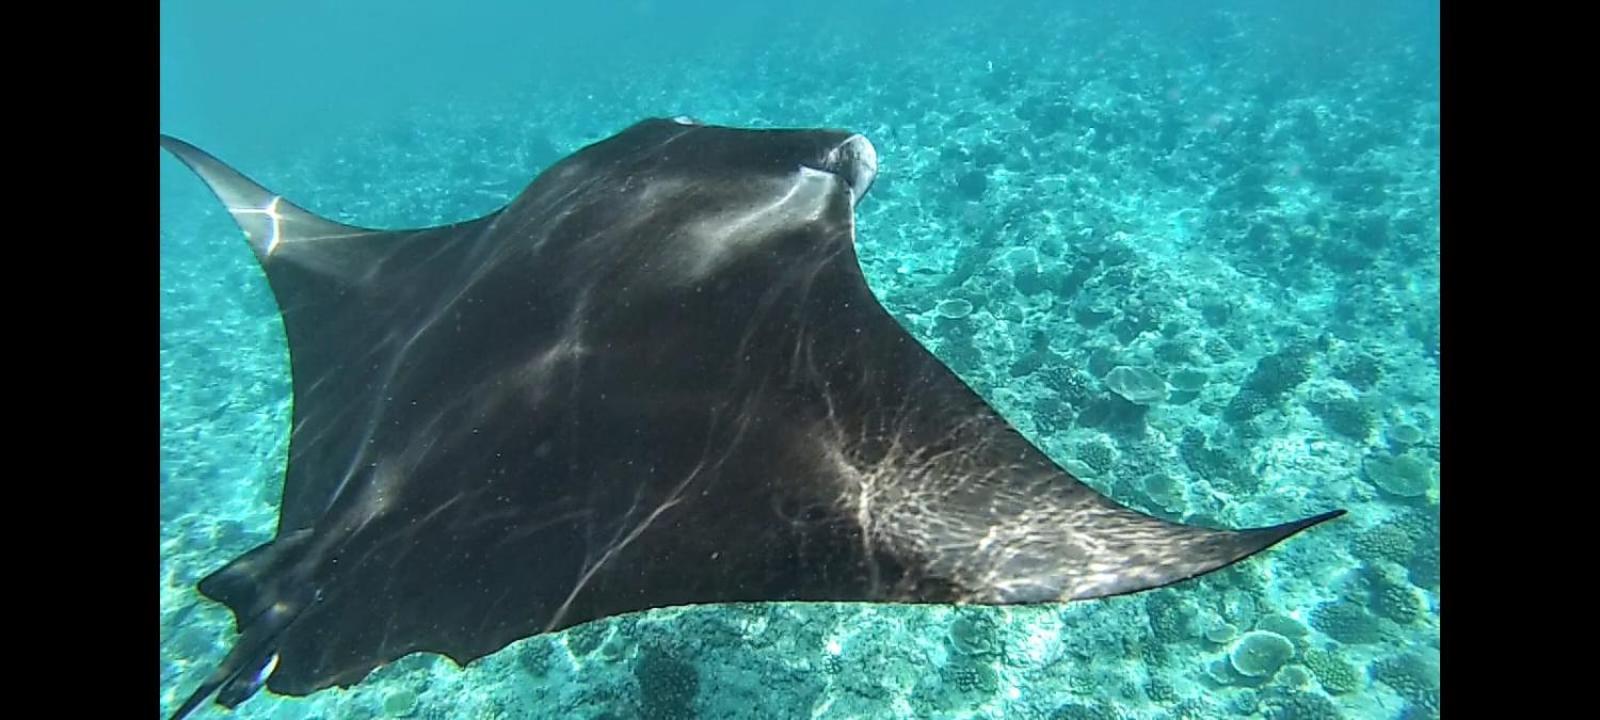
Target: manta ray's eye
pixel 686 120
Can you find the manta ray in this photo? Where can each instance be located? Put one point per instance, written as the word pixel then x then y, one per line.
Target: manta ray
pixel 657 377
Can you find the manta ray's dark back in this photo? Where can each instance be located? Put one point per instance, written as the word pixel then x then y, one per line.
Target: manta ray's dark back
pixel 657 377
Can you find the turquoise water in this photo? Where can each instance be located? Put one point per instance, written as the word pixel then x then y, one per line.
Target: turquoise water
pixel 1240 199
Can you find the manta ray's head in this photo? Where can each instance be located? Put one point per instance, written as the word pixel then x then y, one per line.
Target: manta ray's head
pixel 683 201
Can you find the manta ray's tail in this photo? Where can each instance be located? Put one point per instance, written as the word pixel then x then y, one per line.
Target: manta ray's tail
pixel 263 590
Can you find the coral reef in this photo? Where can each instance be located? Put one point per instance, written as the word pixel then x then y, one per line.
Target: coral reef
pixel 1260 654
pixel 1404 476
pixel 1346 622
pixel 1333 672
pixel 1136 385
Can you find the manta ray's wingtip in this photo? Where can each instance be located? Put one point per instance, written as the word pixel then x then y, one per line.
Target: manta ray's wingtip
pixel 270 222
pixel 1162 554
pixel 1314 520
pixel 1274 534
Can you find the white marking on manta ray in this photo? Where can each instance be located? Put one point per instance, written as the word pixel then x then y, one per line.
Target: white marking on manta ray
pixel 271 211
pixel 266 671
pixel 716 240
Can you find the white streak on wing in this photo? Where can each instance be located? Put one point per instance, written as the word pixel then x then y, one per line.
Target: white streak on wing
pixel 275 235
pixel 714 242
pixel 611 552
